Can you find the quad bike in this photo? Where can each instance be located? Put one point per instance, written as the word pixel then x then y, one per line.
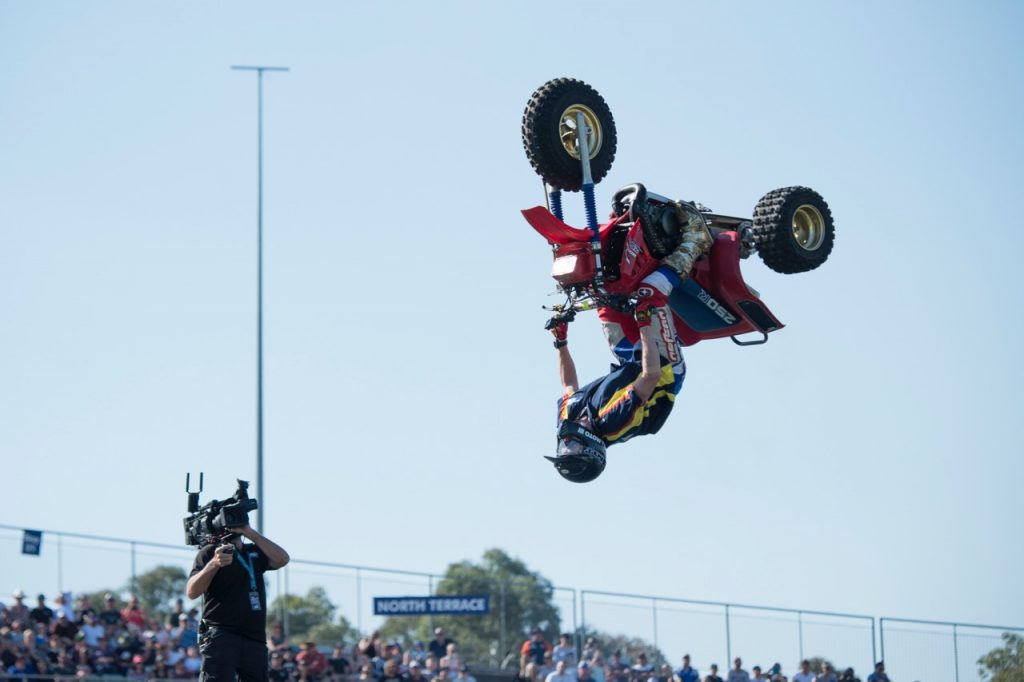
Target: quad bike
pixel 570 139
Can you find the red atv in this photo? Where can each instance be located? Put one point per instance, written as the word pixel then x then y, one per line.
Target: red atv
pixel 569 136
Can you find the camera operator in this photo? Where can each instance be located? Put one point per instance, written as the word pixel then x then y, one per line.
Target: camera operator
pixel 233 637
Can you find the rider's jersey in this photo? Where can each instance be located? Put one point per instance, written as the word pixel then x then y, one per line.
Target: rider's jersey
pixel 613 407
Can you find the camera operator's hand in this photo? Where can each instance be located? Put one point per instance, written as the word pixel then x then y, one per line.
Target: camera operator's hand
pixel 223 556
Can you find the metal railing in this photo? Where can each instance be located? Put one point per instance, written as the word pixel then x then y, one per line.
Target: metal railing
pixel 937 651
pixel 709 629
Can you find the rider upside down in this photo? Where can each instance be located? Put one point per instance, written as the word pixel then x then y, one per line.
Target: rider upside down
pixel 636 397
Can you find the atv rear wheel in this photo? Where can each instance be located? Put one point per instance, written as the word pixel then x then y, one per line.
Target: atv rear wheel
pixel 793 229
pixel 551 135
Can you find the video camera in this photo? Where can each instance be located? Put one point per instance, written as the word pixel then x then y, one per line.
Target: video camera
pixel 214 521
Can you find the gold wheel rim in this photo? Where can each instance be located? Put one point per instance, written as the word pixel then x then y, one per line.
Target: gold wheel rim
pixel 569 135
pixel 808 227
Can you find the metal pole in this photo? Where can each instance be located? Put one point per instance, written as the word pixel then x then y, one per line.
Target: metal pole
pixel 135 583
pixel 501 625
pixel 874 652
pixel 359 600
pixel 259 283
pixel 654 617
pixel 60 562
pixel 728 638
pixel 881 641
pixel 956 657
pixel 800 632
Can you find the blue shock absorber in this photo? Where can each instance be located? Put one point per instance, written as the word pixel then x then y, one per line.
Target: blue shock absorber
pixel 555 197
pixel 591 206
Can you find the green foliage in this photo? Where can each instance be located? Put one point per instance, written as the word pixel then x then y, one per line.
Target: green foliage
pixel 158 588
pixel 520 600
pixel 312 618
pixel 1005 663
pixel 629 647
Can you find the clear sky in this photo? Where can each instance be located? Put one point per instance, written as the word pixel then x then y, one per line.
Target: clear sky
pixel 867 459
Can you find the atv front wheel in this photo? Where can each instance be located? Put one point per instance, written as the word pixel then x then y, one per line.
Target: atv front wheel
pixel 551 133
pixel 793 229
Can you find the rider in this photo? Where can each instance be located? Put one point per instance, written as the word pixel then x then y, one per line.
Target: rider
pixel 635 398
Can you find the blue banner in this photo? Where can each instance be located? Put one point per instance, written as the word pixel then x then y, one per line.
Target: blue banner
pixel 32 542
pixel 448 605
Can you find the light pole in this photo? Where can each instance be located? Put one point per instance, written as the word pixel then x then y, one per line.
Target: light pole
pixel 259 281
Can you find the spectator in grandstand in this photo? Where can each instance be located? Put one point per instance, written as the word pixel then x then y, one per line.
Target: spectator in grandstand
pixel 337 664
pixel 277 672
pixel 617 670
pixel 366 673
pixel 432 667
pixel 738 674
pixel 642 669
pixel 180 672
pixel 712 676
pixel 313 659
pixel 41 613
pixel 848 676
pixel 776 675
pixel 416 672
pixel 686 673
pixel 464 675
pixel 83 607
pixel 533 650
pixel 110 615
pixel 560 674
pixel 18 612
pixel 531 673
pixel 439 645
pixel 805 674
pixel 60 603
pixel 64 627
pixel 827 674
pixel 583 672
pixel 756 670
pixel 664 673
pixel 161 671
pixel 418 652
pixel 23 665
pixel 597 667
pixel 132 614
pixel 455 661
pixel 565 650
pixel 879 674
pixel 64 665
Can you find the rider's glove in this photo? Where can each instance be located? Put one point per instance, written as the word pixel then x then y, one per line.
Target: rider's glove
pixel 558 325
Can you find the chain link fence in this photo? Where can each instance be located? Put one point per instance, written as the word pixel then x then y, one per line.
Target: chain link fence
pixel 712 632
pixel 937 651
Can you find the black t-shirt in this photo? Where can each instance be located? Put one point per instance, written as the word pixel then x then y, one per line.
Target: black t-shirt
pixel 439 649
pixel 339 665
pixel 226 602
pixel 278 675
pixel 41 614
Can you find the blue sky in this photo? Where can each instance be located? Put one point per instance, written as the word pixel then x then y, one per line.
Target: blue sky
pixel 867 459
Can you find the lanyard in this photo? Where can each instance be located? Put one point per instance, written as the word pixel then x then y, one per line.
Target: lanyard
pixel 248 565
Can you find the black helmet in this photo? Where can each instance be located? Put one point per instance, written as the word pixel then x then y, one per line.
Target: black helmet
pixel 580 453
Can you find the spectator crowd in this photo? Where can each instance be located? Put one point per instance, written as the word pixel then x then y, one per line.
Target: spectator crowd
pixel 118 639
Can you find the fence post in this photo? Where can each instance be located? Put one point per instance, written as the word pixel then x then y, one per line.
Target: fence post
pixel 654 617
pixel 501 625
pixel 800 631
pixel 881 640
pixel 60 562
pixel 359 600
pixel 956 657
pixel 135 584
pixel 728 638
pixel 583 612
pixel 874 652
pixel 285 625
pixel 430 618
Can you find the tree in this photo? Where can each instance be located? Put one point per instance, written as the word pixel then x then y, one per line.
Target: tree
pixel 158 588
pixel 312 618
pixel 520 599
pixel 629 647
pixel 1005 663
